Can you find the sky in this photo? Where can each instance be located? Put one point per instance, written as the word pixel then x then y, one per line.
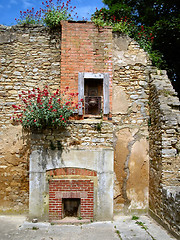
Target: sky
pixel 10 9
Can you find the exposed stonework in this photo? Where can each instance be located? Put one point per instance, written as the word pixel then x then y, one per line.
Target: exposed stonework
pixel 28 56
pixel 164 149
pixel 14 174
pixel 127 52
pixel 130 115
pixel 79 133
pixel 143 131
pixel 31 56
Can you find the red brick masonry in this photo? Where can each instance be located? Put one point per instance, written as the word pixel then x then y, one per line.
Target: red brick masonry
pixel 71 188
pixel 84 48
pixel 71 171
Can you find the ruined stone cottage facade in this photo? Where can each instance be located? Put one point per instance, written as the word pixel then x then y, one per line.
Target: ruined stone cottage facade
pixel 121 154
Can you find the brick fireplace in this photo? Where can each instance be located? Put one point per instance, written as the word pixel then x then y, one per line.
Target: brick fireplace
pixel 70 193
pixel 69 198
pixel 77 182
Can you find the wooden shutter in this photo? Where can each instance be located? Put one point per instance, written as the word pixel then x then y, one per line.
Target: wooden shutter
pixel 80 91
pixel 106 93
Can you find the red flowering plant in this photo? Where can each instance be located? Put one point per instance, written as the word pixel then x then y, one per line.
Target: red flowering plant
pixel 143 35
pixel 49 14
pixel 54 13
pixel 43 109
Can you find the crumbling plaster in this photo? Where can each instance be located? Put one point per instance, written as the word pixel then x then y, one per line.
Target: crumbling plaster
pixel 130 112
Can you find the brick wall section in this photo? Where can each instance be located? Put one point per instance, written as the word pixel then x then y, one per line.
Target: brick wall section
pixel 85 48
pixel 70 171
pixel 71 189
pixel 164 191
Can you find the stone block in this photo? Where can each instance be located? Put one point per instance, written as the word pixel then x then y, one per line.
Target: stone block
pixel 169 153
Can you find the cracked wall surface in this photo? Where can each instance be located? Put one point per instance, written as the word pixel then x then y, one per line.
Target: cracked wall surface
pixel 130 115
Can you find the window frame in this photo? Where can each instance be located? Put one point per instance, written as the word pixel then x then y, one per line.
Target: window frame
pixel 87 75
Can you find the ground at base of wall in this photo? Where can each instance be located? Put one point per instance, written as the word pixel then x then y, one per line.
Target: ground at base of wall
pixel 123 228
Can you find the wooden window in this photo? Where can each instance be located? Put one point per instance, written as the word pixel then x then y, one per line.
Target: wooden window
pixel 93 92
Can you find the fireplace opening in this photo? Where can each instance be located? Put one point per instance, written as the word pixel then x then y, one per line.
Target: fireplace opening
pixel 71 207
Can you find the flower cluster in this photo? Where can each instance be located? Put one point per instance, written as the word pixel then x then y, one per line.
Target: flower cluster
pixel 50 14
pixel 43 109
pixel 29 17
pixel 144 37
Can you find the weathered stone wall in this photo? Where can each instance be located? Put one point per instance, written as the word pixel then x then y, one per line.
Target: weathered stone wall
pixel 79 133
pixel 130 116
pixel 171 207
pixel 35 60
pixel 164 149
pixel 29 57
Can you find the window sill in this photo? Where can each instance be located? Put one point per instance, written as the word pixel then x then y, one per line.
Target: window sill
pixel 92 116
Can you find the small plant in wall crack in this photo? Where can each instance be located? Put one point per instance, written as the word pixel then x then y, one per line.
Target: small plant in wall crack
pixel 99 126
pixel 59 146
pixel 52 146
pixel 35 228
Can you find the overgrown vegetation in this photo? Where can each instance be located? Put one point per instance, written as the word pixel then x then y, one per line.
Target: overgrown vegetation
pixel 142 34
pixel 51 14
pixel 162 19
